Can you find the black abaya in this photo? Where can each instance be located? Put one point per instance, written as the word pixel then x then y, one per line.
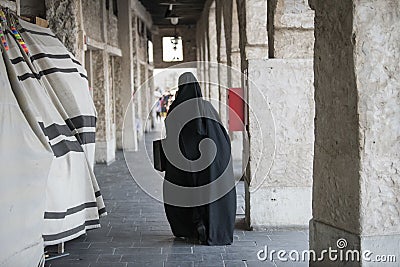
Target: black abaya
pixel 218 217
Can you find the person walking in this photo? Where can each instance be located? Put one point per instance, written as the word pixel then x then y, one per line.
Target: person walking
pixel 199 201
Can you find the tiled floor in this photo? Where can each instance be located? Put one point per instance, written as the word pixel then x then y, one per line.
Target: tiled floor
pixel 136 231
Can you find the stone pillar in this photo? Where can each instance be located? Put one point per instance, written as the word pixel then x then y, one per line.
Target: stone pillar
pixel 89 69
pixel 290 29
pixel 356 178
pixel 112 86
pixel 144 85
pixel 149 98
pixel 137 77
pixel 222 62
pixel 256 39
pixel 199 45
pixel 200 68
pixel 281 126
pixel 105 149
pixel 252 17
pixel 281 142
pixel 152 100
pixel 12 5
pixel 202 56
pixel 144 94
pixel 206 56
pixel 212 60
pixel 234 54
pixel 65 20
pixel 126 125
pixel 203 33
pixel 233 76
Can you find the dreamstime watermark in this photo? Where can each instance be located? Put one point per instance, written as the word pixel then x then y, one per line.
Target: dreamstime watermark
pixel 339 254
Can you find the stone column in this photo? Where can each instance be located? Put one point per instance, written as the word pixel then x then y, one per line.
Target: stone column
pixel 290 29
pixel 136 74
pixel 252 17
pixel 89 69
pixel 149 98
pixel 206 56
pixel 199 45
pixel 102 96
pixel 144 86
pixel 111 85
pixel 222 62
pixel 80 53
pixel 254 30
pixel 202 30
pixel 281 125
pixel 212 60
pixel 356 190
pixel 152 99
pixel 126 125
pixel 12 5
pixel 65 20
pixel 234 54
pixel 105 150
pixel 233 76
pixel 144 93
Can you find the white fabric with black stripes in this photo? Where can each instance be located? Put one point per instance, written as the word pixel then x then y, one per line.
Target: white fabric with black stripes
pixel 66 80
pixel 64 75
pixel 25 160
pixel 73 200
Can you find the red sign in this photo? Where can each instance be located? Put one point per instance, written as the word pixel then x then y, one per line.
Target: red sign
pixel 236 109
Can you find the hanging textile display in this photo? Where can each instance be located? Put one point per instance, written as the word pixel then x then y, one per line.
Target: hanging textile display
pixel 66 82
pixel 73 201
pixel 25 160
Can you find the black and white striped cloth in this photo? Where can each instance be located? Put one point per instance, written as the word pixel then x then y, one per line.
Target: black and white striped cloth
pixel 25 160
pixel 66 79
pixel 68 82
pixel 55 97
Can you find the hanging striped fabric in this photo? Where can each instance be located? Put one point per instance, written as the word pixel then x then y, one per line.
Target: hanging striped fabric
pixel 65 78
pixel 25 160
pixel 62 74
pixel 73 200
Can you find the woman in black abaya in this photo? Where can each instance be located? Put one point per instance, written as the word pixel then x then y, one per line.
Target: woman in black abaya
pixel 198 209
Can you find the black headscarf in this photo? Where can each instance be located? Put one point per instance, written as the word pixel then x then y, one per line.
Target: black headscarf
pixel 188 88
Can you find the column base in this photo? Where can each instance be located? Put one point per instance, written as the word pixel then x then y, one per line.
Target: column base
pixel 105 152
pixel 280 207
pixel 119 140
pixel 323 237
pixel 237 154
pixel 127 140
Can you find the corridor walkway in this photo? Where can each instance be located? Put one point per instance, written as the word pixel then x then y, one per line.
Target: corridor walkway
pixel 136 232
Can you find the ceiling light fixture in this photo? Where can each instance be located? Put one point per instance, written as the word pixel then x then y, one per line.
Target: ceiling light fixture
pixel 175 40
pixel 169 14
pixel 174 20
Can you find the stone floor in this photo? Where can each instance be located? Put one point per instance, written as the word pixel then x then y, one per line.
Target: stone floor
pixel 136 232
